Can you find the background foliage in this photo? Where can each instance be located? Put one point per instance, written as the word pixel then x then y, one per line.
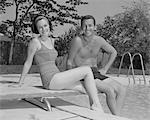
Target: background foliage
pixel 129 32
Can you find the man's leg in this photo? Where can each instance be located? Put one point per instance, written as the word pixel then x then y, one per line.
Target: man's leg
pixel 115 92
pixel 120 91
pixel 106 88
pixel 110 95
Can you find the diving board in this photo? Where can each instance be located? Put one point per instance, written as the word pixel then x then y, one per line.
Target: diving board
pixel 33 94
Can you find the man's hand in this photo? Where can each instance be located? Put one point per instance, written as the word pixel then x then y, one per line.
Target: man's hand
pixel 103 71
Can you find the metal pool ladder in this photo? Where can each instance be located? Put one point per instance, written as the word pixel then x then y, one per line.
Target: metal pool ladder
pixel 131 66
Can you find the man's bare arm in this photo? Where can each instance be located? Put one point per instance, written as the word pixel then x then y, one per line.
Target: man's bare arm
pixel 111 51
pixel 75 45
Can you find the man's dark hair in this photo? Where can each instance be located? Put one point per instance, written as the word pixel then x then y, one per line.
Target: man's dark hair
pixel 86 17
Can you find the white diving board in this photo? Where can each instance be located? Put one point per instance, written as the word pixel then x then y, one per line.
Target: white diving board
pixel 31 94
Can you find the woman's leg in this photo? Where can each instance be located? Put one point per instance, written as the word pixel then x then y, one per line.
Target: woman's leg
pixel 65 79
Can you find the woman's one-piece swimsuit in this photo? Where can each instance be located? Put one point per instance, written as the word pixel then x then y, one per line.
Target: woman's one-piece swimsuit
pixel 45 59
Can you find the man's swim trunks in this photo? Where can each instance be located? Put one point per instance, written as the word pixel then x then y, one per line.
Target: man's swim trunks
pixel 97 74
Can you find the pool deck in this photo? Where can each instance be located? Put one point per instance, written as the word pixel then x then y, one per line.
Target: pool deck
pixel 136 107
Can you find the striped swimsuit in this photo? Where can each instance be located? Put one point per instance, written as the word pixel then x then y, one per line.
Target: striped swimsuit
pixel 45 59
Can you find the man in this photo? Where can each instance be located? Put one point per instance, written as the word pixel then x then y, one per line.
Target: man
pixel 84 51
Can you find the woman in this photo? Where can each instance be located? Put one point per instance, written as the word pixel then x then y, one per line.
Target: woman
pixel 42 49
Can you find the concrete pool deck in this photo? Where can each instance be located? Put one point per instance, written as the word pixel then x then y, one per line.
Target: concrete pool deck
pixel 136 106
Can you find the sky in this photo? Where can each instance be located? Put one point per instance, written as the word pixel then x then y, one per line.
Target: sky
pixel 98 8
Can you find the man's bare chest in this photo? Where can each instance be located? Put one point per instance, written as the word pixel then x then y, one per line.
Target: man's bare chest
pixel 89 50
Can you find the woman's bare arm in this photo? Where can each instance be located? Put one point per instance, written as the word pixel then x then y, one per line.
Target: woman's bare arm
pixel 27 65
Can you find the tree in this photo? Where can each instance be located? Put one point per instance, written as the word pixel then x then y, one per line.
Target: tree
pixel 129 31
pixel 59 12
pixel 3 28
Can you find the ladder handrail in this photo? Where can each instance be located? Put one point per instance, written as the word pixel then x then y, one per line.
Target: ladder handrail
pixel 141 59
pixel 126 53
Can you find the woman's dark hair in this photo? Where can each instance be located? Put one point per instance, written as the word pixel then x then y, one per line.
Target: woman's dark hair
pixel 86 17
pixel 34 23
